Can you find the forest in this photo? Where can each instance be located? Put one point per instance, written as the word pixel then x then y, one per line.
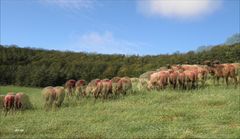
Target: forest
pixel 39 67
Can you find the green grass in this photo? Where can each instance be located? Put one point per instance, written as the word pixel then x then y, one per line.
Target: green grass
pixel 211 112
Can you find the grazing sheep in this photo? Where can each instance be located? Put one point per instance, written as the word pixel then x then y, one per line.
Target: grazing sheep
pixel 152 83
pixel 191 79
pixel 69 87
pixel 22 101
pixel 100 88
pixel 96 90
pixel 9 101
pixel 88 90
pixel 49 95
pixel 230 71
pixel 158 80
pixel 237 67
pixel 203 73
pixel 91 87
pixel 216 74
pixel 60 95
pixel 116 86
pixel 173 75
pixel 121 85
pixel 106 88
pixel 18 100
pixel 224 71
pixel 181 80
pixel 80 88
pixel 126 85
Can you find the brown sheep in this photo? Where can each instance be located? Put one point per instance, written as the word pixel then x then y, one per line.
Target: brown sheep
pixel 152 83
pixel 69 87
pixel 80 88
pixel 237 67
pixel 18 100
pixel 215 74
pixel 121 85
pixel 191 78
pixel 49 95
pixel 115 79
pixel 116 85
pixel 22 101
pixel 163 82
pixel 60 95
pixel 126 85
pixel 202 74
pixel 225 71
pixel 196 72
pixel 9 101
pixel 181 80
pixel 173 75
pixel 158 80
pixel 230 71
pixel 91 87
pixel 97 89
pixel 106 88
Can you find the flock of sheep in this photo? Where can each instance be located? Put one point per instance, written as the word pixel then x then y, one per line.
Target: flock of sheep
pixel 54 96
pixel 182 77
pixel 12 101
pixel 189 76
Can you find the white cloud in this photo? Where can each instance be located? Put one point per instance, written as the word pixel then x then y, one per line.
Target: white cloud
pixel 178 8
pixel 94 38
pixel 106 43
pixel 70 4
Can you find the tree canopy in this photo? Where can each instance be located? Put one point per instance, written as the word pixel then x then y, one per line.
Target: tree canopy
pixel 37 67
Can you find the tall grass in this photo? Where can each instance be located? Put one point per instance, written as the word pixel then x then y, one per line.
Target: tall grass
pixel 211 112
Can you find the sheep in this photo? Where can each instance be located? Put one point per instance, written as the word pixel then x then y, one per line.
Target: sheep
pixel 22 101
pixel 60 95
pixel 9 101
pixel 49 95
pixel 80 88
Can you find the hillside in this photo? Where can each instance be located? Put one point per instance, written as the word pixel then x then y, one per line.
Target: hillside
pixel 37 67
pixel 234 39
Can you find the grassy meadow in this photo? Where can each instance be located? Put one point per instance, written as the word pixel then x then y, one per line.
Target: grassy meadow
pixel 210 112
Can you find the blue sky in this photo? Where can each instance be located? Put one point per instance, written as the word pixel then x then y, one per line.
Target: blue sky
pixel 125 26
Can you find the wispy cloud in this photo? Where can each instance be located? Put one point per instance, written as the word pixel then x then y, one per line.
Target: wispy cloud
pixel 183 9
pixel 106 43
pixel 70 4
pixel 95 38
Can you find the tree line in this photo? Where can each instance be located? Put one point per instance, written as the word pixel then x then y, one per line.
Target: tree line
pixel 39 68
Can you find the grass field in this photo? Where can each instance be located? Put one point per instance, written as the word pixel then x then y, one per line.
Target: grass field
pixel 211 112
